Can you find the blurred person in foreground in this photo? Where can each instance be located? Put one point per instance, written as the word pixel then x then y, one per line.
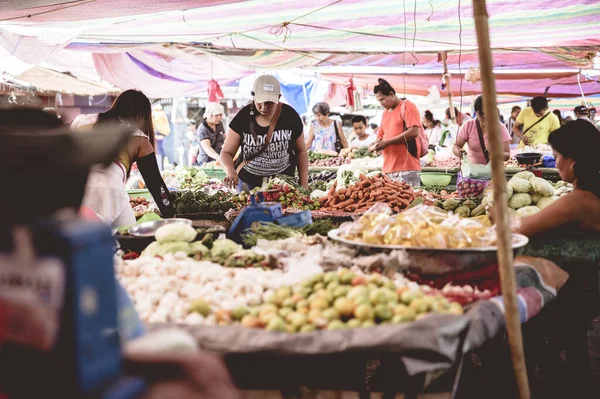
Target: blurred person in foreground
pixel 170 370
pixel 535 123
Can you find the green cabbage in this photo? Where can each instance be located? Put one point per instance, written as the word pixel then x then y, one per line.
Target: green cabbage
pixel 223 249
pixel 175 232
pixel 519 200
pixel 520 185
pixel 535 197
pixel 545 201
pixel 542 186
pixel 527 211
pixel 161 249
pixel 198 247
pixel 525 175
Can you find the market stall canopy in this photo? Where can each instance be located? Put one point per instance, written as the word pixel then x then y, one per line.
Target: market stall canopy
pixel 49 81
pixel 172 46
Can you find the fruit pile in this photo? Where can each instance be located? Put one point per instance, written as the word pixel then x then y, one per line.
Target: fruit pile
pixel 341 299
pixel 288 196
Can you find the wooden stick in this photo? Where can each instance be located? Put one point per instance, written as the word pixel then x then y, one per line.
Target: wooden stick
pixel 505 253
pixel 448 91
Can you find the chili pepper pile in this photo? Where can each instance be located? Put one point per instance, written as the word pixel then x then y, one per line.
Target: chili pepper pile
pixel 361 196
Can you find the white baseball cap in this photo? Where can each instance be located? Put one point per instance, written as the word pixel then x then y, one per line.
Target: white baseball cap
pixel 213 109
pixel 266 88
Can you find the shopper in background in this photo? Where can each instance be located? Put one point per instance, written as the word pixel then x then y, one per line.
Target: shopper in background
pixel 536 121
pixel 374 129
pixel 581 111
pixel 514 112
pixel 363 138
pixel 433 129
pixel 474 133
pixel 558 114
pixel 161 130
pixel 105 191
pixel 210 136
pixel 260 158
pixel 460 118
pixel 325 133
pixel 397 138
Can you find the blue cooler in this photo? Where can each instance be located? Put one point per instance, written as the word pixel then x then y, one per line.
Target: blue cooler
pixel 548 161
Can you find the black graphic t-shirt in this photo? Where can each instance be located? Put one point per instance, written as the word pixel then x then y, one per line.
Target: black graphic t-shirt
pixel 279 157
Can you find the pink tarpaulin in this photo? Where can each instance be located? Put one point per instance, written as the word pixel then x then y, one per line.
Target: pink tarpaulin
pixel 560 84
pixel 38 11
pixel 166 73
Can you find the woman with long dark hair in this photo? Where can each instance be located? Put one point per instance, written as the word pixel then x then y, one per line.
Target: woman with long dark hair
pixel 433 129
pixel 105 191
pixel 270 136
pixel 575 146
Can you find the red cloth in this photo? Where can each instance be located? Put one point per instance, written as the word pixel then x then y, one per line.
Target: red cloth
pixel 350 95
pixel 214 91
pixel 88 214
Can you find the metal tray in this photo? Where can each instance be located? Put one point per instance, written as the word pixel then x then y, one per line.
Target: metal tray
pixel 435 261
pixel 149 228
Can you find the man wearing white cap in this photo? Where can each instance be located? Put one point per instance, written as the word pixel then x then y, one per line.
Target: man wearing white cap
pixel 270 135
pixel 210 135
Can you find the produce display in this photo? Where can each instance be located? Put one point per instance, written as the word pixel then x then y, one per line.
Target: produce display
pixel 470 188
pixel 178 240
pixel 447 162
pixel 314 156
pixel 359 197
pixel 183 177
pixel 189 202
pixel 325 176
pixel 528 194
pixel 140 206
pixel 282 189
pixel 465 208
pixel 421 226
pixel 357 153
pixel 272 231
pixel 341 299
pixel 148 217
pixel 331 161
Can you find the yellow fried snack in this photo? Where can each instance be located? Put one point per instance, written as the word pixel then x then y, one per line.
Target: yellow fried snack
pixel 421 226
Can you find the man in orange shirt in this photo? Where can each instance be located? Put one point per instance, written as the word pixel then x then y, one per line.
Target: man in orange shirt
pixel 397 135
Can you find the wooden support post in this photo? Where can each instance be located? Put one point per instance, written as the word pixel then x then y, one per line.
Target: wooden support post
pixel 505 253
pixel 447 82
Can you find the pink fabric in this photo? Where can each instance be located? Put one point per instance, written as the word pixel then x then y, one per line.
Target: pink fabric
pixel 97 9
pixel 163 74
pixel 562 84
pixel 468 132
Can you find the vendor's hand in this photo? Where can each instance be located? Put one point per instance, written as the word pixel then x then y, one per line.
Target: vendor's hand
pixel 183 375
pixel 379 145
pixel 231 180
pixel 526 140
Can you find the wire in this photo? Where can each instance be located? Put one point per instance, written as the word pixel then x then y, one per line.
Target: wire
pixel 404 52
pixel 71 4
pixel 460 57
pixel 430 15
pixel 414 35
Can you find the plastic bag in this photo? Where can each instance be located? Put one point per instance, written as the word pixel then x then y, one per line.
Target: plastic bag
pixel 475 171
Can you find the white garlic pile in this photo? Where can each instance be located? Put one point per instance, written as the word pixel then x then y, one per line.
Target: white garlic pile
pixel 162 290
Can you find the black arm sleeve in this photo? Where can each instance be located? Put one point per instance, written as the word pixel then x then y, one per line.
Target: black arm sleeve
pixel 156 185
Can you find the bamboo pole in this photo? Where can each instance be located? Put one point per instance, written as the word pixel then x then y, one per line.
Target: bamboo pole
pixel 447 82
pixel 505 254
